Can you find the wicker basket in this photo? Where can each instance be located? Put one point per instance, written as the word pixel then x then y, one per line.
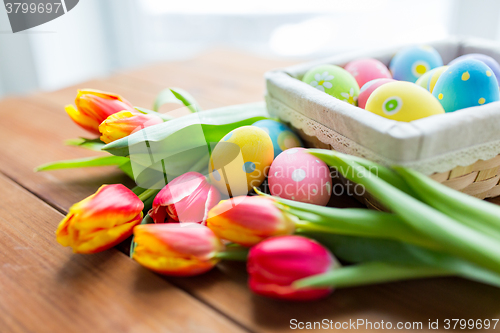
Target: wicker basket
pixel 479 177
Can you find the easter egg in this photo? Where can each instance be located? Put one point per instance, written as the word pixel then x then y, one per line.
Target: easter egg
pixel 435 75
pixel 335 81
pixel 488 61
pixel 300 176
pixel 241 160
pixel 368 88
pixel 412 62
pixel 429 79
pixel 365 70
pixel 465 84
pixel 423 81
pixel 282 136
pixel 403 101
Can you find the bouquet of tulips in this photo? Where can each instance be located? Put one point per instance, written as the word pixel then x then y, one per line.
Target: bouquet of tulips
pixel 182 225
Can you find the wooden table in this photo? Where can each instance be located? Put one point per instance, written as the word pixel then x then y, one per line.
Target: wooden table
pixel 46 288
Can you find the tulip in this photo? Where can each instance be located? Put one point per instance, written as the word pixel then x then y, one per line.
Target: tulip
pixel 185 249
pixel 187 198
pixel 94 106
pixel 101 220
pixel 249 220
pixel 274 264
pixel 124 123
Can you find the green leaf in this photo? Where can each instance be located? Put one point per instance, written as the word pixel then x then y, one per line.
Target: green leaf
pixel 127 169
pixel 368 273
pixel 473 212
pixel 185 143
pixel 456 238
pixel 354 249
pixel 83 162
pixel 92 144
pixel 163 116
pixel 177 96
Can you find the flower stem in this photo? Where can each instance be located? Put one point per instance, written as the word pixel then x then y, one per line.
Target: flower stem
pixel 233 254
pixel 147 194
pixel 369 273
pixel 455 238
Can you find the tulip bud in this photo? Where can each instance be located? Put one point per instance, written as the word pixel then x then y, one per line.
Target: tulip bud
pixel 100 221
pixel 185 249
pixel 187 198
pixel 274 264
pixel 94 106
pixel 124 123
pixel 249 220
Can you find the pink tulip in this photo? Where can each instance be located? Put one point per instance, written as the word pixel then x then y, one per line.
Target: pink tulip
pixel 274 264
pixel 187 198
pixel 249 220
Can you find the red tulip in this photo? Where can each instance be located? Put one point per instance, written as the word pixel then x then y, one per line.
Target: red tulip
pixel 187 198
pixel 274 264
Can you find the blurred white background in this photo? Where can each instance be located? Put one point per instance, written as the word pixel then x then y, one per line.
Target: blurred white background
pixel 99 37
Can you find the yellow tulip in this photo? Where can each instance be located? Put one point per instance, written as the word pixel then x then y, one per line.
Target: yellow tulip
pixel 124 123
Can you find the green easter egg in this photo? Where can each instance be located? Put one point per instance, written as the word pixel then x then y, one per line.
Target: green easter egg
pixel 335 81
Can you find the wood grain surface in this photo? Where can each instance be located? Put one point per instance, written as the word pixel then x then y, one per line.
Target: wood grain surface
pixel 45 288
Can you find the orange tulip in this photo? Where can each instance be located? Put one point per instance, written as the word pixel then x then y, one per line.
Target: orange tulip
pixel 249 220
pixel 94 106
pixel 184 249
pixel 100 221
pixel 124 123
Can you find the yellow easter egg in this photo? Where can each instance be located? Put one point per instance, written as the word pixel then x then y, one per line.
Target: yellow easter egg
pixel 241 160
pixel 403 101
pixel 436 73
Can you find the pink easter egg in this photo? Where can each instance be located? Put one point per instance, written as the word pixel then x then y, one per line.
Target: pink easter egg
pixel 368 69
pixel 300 176
pixel 368 88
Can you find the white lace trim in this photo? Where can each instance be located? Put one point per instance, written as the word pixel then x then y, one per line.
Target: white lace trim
pixel 437 164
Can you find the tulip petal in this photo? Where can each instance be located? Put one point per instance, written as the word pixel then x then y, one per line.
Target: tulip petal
pixel 249 220
pixel 101 220
pixel 176 249
pixel 82 119
pixel 275 264
pixel 104 239
pixel 185 199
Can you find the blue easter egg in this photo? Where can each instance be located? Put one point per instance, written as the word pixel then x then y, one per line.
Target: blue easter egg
pixel 412 62
pixel 465 84
pixel 281 135
pixel 489 61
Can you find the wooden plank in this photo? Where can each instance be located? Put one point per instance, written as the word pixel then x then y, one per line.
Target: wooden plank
pixel 225 287
pixel 46 288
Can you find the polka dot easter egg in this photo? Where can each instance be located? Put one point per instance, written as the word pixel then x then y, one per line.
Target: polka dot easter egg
pixel 300 176
pixel 241 160
pixel 368 88
pixel 282 137
pixel 465 84
pixel 488 61
pixel 403 101
pixel 365 70
pixel 335 81
pixel 412 62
